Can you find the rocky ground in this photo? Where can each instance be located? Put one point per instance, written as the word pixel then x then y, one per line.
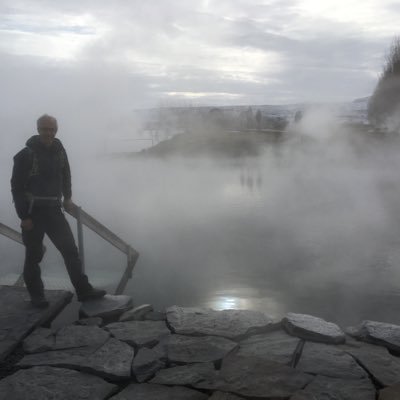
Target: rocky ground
pixel 193 353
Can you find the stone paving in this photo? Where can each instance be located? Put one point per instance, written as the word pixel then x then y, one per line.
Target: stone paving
pixel 18 317
pixel 196 353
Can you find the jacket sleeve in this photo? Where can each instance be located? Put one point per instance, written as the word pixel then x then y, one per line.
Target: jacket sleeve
pixel 66 182
pixel 18 183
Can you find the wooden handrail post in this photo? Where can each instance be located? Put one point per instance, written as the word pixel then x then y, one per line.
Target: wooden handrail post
pixel 132 257
pixel 80 237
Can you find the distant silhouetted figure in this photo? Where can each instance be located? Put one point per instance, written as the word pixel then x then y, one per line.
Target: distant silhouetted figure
pixel 41 177
pixel 249 118
pixel 298 116
pixel 258 119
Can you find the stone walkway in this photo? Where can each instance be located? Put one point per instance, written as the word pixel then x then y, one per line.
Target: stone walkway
pixel 193 353
pixel 18 318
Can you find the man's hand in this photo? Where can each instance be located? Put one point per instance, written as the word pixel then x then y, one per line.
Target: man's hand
pixel 68 205
pixel 27 224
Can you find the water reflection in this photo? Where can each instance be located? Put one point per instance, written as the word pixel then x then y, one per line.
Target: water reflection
pixel 311 234
pixel 245 298
pixel 251 178
pixel 226 303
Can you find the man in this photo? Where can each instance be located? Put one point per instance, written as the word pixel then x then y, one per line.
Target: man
pixel 41 177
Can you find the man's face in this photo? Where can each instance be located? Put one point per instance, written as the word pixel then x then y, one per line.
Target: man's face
pixel 47 131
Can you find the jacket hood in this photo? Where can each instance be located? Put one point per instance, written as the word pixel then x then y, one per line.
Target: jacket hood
pixel 34 143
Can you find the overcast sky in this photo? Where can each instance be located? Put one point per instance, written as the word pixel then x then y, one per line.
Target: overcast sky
pixel 84 58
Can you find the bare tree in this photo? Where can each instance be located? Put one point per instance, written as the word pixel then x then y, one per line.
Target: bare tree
pixel 384 105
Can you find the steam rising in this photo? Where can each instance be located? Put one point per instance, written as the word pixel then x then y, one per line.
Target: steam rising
pixel 311 225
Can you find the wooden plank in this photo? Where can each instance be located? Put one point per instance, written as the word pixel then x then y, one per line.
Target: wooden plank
pixel 88 221
pixel 10 233
pixel 101 230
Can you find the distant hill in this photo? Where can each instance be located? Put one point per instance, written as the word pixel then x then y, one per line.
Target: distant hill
pixel 215 144
pixel 223 129
pixel 232 130
pixel 354 111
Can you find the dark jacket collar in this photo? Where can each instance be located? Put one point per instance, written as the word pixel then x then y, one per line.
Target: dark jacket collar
pixel 35 144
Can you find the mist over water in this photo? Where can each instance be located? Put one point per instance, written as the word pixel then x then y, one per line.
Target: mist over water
pixel 312 225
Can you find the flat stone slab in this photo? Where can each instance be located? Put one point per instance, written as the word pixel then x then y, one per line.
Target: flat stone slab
pixel 67 337
pixel 136 314
pixel 158 392
pixel 275 346
pixel 18 317
pixel 161 348
pixel 390 393
pixel 146 363
pixel 79 336
pixel 47 383
pixel 377 360
pixel 232 324
pixel 186 375
pixel 93 321
pixel 41 339
pixel 224 396
pixel 313 328
pixel 256 377
pixel 106 307
pixel 323 388
pixel 188 349
pixel 379 333
pixel 139 333
pixel 112 360
pixel 328 360
pixel 243 376
pixel 155 316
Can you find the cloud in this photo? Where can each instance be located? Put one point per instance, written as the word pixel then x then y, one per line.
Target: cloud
pixel 96 55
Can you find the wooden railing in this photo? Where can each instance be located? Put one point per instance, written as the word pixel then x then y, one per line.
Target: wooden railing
pixel 84 219
pixel 10 233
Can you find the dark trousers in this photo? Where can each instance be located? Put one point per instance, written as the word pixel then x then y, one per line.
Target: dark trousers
pixel 51 221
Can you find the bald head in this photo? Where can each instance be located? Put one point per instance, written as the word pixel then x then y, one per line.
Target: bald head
pixel 47 128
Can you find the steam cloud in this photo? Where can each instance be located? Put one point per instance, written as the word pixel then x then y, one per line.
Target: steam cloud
pixel 311 222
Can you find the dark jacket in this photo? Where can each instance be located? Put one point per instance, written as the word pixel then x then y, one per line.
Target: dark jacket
pixel 39 171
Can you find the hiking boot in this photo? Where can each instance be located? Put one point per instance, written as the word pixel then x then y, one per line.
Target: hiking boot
pixel 91 294
pixel 39 301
